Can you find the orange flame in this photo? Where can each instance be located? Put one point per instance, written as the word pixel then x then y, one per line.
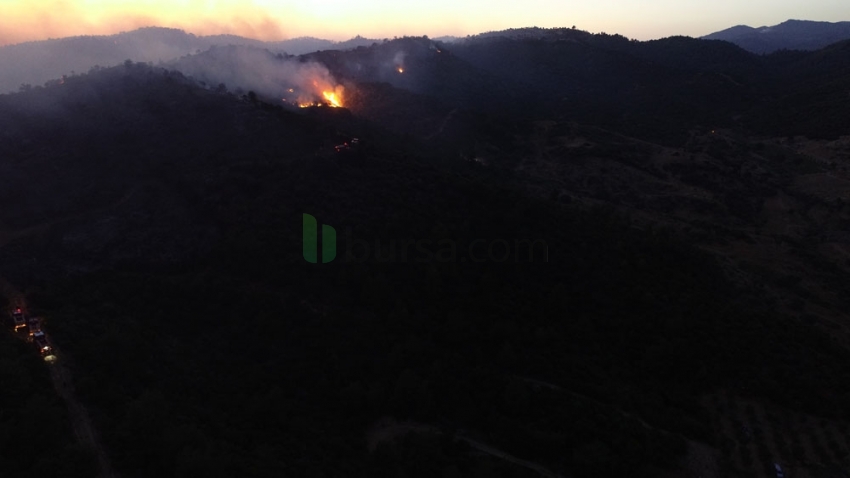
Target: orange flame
pixel 323 93
pixel 333 99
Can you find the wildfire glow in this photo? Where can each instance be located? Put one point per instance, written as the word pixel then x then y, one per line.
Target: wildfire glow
pixel 317 92
pixel 333 99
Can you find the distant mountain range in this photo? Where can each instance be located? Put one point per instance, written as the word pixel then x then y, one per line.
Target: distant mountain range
pixel 40 61
pixel 663 255
pixel 789 35
pixel 35 63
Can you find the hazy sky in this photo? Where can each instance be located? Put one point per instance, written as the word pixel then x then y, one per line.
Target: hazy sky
pixel 23 20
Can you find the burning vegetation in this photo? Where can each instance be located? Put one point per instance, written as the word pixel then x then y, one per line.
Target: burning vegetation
pixel 334 98
pixel 302 83
pixel 319 95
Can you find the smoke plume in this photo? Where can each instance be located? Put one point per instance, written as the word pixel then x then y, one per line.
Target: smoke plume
pixel 252 69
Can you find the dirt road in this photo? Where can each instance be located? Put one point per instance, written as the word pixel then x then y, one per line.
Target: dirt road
pixel 80 420
pixel 60 374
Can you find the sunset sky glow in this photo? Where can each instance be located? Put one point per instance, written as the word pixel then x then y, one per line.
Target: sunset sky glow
pixel 339 20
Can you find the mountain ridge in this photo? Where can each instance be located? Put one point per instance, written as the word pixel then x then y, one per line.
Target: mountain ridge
pixel 172 208
pixel 37 62
pixel 788 35
pixel 695 255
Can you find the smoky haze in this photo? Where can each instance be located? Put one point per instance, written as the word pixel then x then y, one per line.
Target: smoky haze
pixel 35 63
pixel 260 71
pixel 38 62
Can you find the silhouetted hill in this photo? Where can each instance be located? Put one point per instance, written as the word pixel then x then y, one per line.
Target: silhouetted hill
pixel 35 63
pixel 672 85
pixel 166 222
pixel 694 54
pixel 355 42
pixel 788 35
pixel 447 38
pixel 662 89
pixel 554 251
pixel 529 33
pixel 420 65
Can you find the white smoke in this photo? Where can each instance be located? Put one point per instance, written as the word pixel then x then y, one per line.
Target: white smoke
pixel 398 59
pixel 260 71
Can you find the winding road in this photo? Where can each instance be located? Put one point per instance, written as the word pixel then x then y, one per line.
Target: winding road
pixel 84 429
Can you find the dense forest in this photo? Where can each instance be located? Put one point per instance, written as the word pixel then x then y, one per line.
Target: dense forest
pixel 691 286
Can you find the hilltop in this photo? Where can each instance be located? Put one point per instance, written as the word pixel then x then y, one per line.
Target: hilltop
pixel 788 35
pixel 36 62
pixel 664 227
